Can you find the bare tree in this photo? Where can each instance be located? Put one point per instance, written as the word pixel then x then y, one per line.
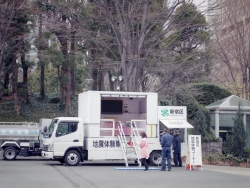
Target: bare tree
pixel 138 36
pixel 233 47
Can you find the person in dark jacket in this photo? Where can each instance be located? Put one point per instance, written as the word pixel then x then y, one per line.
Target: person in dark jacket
pixel 166 142
pixel 177 149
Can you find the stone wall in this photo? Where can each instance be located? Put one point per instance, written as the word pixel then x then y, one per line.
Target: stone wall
pixel 211 148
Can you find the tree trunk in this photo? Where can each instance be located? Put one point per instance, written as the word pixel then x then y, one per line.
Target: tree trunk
pixel 65 83
pixel 95 78
pixel 6 80
pixel 25 79
pixel 143 81
pixel 72 78
pixel 101 80
pixel 248 96
pixel 60 86
pixel 68 92
pixel 14 78
pixel 110 82
pixel 72 63
pixel 42 77
pixel 42 92
pixel 94 71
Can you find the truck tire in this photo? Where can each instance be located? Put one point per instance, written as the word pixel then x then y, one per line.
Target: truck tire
pixel 72 158
pixel 155 158
pixel 9 153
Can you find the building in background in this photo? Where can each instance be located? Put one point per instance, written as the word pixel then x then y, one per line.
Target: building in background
pixel 222 113
pixel 230 23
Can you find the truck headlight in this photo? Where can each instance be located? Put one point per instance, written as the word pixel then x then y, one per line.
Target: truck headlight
pixel 47 147
pixel 50 147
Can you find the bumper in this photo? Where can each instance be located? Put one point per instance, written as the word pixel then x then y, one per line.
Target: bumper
pixel 47 155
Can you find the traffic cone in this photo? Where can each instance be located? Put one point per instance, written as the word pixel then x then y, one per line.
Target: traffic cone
pixel 188 167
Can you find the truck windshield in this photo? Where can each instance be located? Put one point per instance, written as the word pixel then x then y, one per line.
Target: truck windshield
pixel 51 128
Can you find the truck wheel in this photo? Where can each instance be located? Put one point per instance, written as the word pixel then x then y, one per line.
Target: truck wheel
pixel 155 158
pixel 72 158
pixel 9 153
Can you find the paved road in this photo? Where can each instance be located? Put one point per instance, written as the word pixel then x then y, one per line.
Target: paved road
pixel 229 170
pixel 38 173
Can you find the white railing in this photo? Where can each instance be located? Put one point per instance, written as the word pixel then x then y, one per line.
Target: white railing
pixel 106 130
pixel 123 143
pixel 135 132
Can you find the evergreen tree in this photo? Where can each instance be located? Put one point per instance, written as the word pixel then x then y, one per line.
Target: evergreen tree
pixel 200 124
pixel 236 138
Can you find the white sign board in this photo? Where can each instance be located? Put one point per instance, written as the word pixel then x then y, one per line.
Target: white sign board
pixel 194 156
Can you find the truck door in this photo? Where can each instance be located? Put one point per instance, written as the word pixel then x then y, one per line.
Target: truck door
pixel 67 135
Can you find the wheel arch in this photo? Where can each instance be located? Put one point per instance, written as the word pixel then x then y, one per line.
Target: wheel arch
pixel 154 157
pixel 79 149
pixel 10 144
pixel 154 151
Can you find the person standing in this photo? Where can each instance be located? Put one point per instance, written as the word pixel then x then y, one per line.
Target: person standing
pixel 144 150
pixel 177 149
pixel 166 142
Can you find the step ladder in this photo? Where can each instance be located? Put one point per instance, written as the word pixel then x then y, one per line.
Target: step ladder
pixel 135 133
pixel 126 149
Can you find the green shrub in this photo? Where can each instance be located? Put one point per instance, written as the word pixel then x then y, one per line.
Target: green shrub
pixel 211 158
pixel 22 91
pixel 197 115
pixel 55 100
pixel 208 93
pixel 223 158
pixel 247 153
pixel 6 92
pixel 237 161
pixel 195 97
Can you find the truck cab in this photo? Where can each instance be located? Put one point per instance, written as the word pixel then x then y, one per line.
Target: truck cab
pixel 63 140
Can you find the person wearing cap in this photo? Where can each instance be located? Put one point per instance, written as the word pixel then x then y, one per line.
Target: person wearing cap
pixel 177 149
pixel 166 142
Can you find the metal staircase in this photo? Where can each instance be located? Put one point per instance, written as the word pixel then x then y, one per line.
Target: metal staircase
pixel 132 148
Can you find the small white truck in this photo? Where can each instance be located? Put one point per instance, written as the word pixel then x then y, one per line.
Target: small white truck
pixel 108 126
pixel 21 138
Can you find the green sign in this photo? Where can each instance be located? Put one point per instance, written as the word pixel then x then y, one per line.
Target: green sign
pixel 164 112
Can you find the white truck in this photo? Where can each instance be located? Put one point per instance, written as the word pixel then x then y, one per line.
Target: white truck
pixel 21 138
pixel 108 126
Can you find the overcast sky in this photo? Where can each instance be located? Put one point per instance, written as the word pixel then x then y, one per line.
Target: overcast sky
pixel 198 2
pixel 202 4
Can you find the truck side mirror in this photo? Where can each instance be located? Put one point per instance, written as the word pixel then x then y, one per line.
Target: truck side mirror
pixel 45 129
